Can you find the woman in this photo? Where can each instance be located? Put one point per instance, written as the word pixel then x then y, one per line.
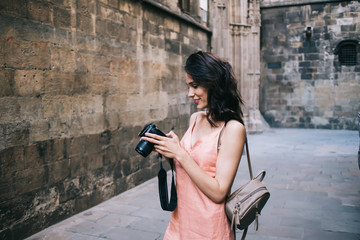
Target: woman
pixel 204 171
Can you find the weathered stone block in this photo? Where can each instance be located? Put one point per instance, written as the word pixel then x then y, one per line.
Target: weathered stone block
pixel 154 41
pixel 12 210
pixel 9 109
pixel 34 55
pixel 114 29
pixel 15 133
pixel 86 201
pixel 130 21
pixel 348 28
pixel 172 46
pixel 115 103
pixel 57 107
pixel 306 76
pixel 13 7
pixel 133 36
pixel 92 143
pixel 105 12
pixel 102 64
pixel 29 109
pixel 77 166
pixel 110 156
pixel 84 62
pixel 11 161
pixel 171 24
pixel 76 146
pixel 139 177
pixel 59 170
pixel 31 179
pixel 113 3
pixel 39 11
pixel 304 64
pixel 134 8
pixel 84 23
pixel 6 189
pixel 62 59
pixel 93 161
pixel 94 123
pixel 2 46
pixel 29 82
pixel 6 82
pixel 34 155
pixel 124 168
pixel 62 18
pixel 100 27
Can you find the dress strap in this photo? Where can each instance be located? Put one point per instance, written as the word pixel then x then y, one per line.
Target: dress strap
pixel 192 132
pixel 221 132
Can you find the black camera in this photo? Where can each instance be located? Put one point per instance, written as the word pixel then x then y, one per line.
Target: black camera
pixel 144 148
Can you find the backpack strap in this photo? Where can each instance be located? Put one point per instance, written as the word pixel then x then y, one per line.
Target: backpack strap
pixel 250 172
pixel 244 234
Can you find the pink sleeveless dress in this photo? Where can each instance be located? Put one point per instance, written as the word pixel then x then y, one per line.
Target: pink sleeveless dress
pixel 197 216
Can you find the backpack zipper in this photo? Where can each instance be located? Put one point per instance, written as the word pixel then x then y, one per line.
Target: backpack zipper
pixel 237 205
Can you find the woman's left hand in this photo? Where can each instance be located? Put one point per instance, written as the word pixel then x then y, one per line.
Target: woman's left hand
pixel 168 146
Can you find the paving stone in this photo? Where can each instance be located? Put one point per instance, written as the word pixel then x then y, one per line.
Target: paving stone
pixel 88 227
pixel 281 232
pixel 92 215
pixel 85 237
pixel 150 225
pixel 301 222
pixel 329 235
pixel 117 220
pixel 53 234
pixel 127 233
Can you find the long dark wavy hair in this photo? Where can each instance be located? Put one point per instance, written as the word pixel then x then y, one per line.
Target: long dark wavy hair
pixel 217 76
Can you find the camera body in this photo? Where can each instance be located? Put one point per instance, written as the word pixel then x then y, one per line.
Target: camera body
pixel 144 148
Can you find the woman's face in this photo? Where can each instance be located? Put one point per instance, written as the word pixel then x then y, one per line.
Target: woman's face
pixel 198 93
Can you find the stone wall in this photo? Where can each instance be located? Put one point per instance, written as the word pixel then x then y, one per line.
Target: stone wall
pixel 302 81
pixel 78 81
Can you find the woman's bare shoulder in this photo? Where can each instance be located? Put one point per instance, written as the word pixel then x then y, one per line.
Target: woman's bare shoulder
pixel 234 128
pixel 195 115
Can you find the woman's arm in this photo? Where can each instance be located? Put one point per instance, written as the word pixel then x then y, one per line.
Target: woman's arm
pixel 232 143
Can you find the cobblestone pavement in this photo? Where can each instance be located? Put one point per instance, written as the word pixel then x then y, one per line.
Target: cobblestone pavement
pixel 313 177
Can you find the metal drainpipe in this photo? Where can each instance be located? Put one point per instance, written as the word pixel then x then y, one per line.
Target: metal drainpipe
pixel 297 3
pixel 359 141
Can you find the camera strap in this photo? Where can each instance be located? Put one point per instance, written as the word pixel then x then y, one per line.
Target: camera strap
pixel 163 188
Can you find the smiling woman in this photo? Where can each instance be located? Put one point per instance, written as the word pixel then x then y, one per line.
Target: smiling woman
pixel 204 171
pixel 197 93
pixel 217 77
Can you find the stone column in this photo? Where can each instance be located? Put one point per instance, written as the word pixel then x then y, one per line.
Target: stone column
pixel 245 34
pixel 252 69
pixel 236 37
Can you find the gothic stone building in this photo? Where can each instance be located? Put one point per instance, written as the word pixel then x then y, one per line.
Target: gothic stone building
pixel 310 74
pixel 80 78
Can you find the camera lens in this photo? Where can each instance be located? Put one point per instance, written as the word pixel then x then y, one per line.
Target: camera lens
pixel 144 148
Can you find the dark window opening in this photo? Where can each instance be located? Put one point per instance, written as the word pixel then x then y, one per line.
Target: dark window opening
pixel 347 55
pixel 347 51
pixel 185 5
